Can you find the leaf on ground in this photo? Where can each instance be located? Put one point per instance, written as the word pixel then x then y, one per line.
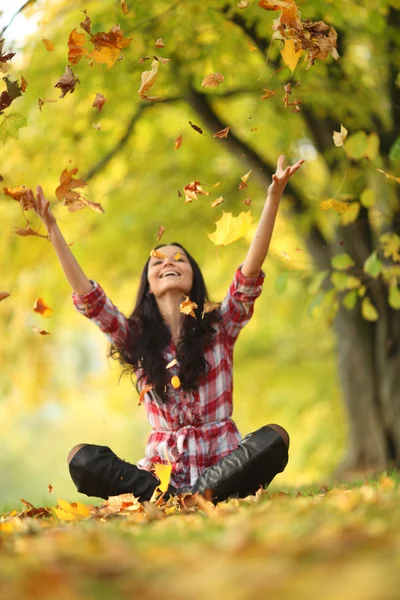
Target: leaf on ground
pixel 41 308
pixel 212 80
pixel 187 307
pixel 10 126
pixel 163 472
pixel 229 228
pixel 67 82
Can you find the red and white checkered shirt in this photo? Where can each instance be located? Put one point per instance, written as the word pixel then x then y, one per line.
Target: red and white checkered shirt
pixel 192 429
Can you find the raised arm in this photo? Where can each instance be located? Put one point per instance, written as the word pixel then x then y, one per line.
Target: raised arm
pixel 260 244
pixel 73 272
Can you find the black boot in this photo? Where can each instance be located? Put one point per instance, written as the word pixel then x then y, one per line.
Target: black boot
pixel 97 471
pixel 259 457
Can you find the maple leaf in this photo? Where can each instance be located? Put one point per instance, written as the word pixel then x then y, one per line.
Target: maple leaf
pixel 212 80
pixel 67 82
pixel 223 133
pixel 192 190
pixel 157 254
pixel 146 388
pixel 160 232
pixel 217 201
pixel 159 43
pixel 76 47
pixel 195 127
pixel 175 382
pixel 148 79
pixel 244 180
pixel 339 137
pixel 108 46
pixel 4 295
pixel 124 7
pixel 39 331
pixel 20 193
pixel 187 307
pixel 64 192
pixel 48 44
pixel 178 142
pixel 99 102
pixel 267 94
pixel 229 228
pixel 290 54
pixel 42 308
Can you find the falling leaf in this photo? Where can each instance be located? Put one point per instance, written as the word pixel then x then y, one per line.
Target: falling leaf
pixel 223 133
pixel 244 180
pixel 99 102
pixel 247 201
pixel 25 231
pixel 67 82
pixel 50 487
pixel 20 193
pixel 290 55
pixel 87 23
pixel 243 4
pixel 76 47
pixel 108 46
pixel 178 142
pixel 172 363
pixel 144 391
pixel 389 176
pixel 97 126
pixel 160 232
pixel 217 201
pixel 192 190
pixel 212 80
pixel 229 228
pixel 157 254
pixel 148 79
pixel 24 84
pixel 42 102
pixel 124 7
pixel 175 382
pixel 95 206
pixel 177 256
pixel 4 295
pixel 163 472
pixel 4 57
pixel 42 309
pixel 195 127
pixel 159 43
pixel 251 47
pixel 40 331
pixel 209 307
pixel 187 307
pixel 11 125
pixel 337 205
pixel 273 4
pixel 65 191
pixel 339 137
pixel 267 94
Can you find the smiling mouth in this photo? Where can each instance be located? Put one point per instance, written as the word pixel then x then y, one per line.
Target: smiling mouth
pixel 170 274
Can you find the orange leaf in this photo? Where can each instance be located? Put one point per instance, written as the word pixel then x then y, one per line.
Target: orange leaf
pixel 267 94
pixel 4 295
pixel 64 192
pixel 124 7
pixel 251 47
pixel 108 46
pixel 177 256
pixel 25 231
pixel 99 102
pixel 192 189
pixel 223 133
pixel 186 307
pixel 50 487
pixel 157 254
pixel 244 180
pixel 247 201
pixel 48 45
pixel 160 232
pixel 76 47
pixel 24 84
pixel 144 391
pixel 40 331
pixel 42 309
pixel 212 80
pixel 175 382
pixel 178 142
pixel 20 194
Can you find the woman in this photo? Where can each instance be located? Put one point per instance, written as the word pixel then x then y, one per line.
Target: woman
pixel 184 370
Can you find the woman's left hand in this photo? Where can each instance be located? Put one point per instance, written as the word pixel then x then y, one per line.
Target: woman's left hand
pixel 282 176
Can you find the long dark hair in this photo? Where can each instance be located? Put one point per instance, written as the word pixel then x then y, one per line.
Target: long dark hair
pixel 145 351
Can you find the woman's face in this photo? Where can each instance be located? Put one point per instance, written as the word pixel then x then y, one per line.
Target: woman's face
pixel 172 272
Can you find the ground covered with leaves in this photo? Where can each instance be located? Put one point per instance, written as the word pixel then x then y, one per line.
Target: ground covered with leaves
pixel 342 542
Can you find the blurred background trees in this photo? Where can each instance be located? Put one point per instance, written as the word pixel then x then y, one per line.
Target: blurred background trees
pixel 321 354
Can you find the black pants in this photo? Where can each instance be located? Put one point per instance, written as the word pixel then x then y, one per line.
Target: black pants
pixel 97 471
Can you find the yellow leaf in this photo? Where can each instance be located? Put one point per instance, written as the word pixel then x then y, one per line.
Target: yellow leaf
pixel 163 472
pixel 229 228
pixel 391 245
pixel 76 509
pixel 41 308
pixel 177 256
pixel 340 136
pixel 176 382
pixel 187 307
pixel 148 79
pixel 290 55
pixel 373 144
pixel 368 310
pixel 48 44
pixel 337 205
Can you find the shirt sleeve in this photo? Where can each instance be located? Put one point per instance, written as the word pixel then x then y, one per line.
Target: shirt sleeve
pixel 96 306
pixel 238 305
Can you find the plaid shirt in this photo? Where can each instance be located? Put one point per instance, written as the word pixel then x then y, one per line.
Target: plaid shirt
pixel 193 430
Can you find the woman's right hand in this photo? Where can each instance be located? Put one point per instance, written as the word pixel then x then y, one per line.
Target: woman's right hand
pixel 42 208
